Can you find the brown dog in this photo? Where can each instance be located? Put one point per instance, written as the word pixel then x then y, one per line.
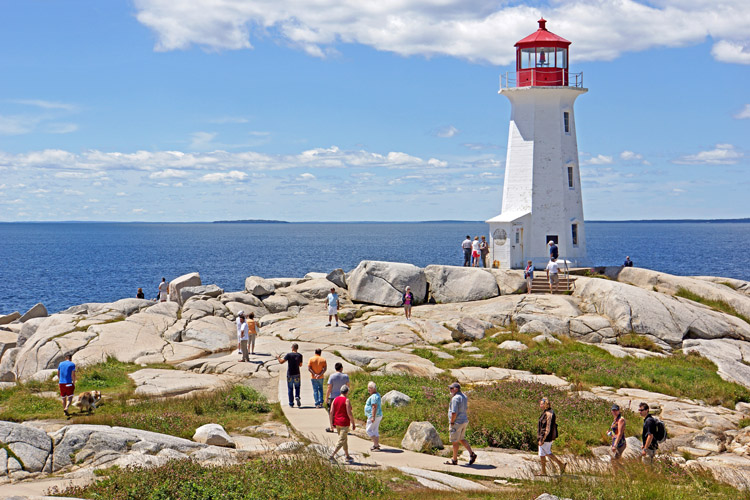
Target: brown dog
pixel 87 401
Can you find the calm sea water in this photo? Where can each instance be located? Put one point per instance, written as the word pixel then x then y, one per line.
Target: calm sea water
pixel 64 264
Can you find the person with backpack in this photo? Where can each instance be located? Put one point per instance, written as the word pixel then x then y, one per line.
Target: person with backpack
pixel 649 435
pixel 546 434
pixel 617 433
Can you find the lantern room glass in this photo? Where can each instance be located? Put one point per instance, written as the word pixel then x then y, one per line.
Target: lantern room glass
pixel 545 57
pixel 561 58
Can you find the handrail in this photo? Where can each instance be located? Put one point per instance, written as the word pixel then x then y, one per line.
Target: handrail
pixel 510 80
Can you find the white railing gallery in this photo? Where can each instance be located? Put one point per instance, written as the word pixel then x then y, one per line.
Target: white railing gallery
pixel 509 80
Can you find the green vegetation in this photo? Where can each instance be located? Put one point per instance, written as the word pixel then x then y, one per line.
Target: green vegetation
pixel 502 415
pixel 719 305
pixel 638 342
pixel 682 375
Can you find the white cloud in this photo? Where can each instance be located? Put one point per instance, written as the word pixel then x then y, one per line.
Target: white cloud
pixel 630 156
pixel 722 154
pixel 234 175
pixel 61 128
pixel 17 124
pixel 121 194
pixel 446 132
pixel 228 119
pixel 307 176
pixel 476 30
pixel 72 192
pixel 598 160
pixel 40 103
pixel 744 114
pixel 202 140
pixel 139 210
pixel 169 173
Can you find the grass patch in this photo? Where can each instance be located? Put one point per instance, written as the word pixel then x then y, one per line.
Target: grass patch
pixel 719 305
pixel 638 342
pixel 501 415
pixel 744 422
pixel 590 274
pixel 681 375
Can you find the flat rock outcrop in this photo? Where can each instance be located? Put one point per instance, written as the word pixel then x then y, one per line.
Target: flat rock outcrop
pixel 163 383
pixel 32 447
pixel 460 284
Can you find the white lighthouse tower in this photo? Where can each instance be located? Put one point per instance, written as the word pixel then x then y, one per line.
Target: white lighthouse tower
pixel 542 190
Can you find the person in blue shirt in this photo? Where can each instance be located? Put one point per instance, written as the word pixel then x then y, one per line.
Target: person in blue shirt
pixel 66 376
pixel 374 414
pixel 332 304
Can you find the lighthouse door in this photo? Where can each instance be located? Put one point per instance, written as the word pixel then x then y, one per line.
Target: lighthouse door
pixel 517 247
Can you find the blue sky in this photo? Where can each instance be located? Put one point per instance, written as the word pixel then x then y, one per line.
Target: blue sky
pixel 164 110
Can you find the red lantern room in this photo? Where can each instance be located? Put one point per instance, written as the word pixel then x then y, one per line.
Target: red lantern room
pixel 542 59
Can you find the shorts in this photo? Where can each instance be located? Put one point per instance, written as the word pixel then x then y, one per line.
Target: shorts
pixel 553 278
pixel 648 458
pixel 475 254
pixel 332 310
pixel 373 426
pixel 618 452
pixel 545 449
pixel 67 390
pixel 458 432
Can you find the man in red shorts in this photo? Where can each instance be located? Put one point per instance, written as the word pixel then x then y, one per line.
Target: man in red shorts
pixel 66 375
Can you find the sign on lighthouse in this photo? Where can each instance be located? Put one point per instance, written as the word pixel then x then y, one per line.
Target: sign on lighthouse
pixel 542 189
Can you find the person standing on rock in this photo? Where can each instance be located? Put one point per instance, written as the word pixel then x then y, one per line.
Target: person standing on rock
pixel 163 290
pixel 407 299
pixel 617 433
pixel 336 381
pixel 546 434
pixel 466 246
pixel 475 253
pixel 553 274
pixel 243 333
pixel 341 418
pixel 66 377
pixel 458 420
pixel 374 414
pixel 292 374
pixel 528 275
pixel 252 329
pixel 628 262
pixel 484 250
pixel 317 367
pixel 238 321
pixel 332 303
pixel 650 445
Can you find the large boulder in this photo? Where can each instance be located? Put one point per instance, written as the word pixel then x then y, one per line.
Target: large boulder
pixel 315 289
pixel 242 298
pixel 460 284
pixel 9 318
pixel 38 311
pixel 509 281
pixel 31 445
pixel 421 436
pixel 470 329
pixel 593 329
pixel 8 365
pixel 383 283
pixel 732 357
pixel 395 398
pixel 213 434
pixel 337 277
pixel 177 284
pixel 209 290
pixel 259 286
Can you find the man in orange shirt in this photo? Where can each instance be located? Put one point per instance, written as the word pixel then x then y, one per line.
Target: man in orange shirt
pixel 317 367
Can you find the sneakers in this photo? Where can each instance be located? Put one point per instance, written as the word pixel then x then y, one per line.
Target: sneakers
pixel 337 324
pixel 472 458
pixel 349 460
pixel 328 324
pixel 299 403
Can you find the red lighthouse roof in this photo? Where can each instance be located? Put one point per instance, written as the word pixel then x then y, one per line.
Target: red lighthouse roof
pixel 542 36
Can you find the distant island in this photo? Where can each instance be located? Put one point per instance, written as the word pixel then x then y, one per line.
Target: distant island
pixel 250 221
pixel 664 221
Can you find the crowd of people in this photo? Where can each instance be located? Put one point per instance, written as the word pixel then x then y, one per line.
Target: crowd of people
pixel 475 251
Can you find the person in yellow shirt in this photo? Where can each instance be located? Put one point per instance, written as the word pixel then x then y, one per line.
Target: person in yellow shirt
pixel 317 367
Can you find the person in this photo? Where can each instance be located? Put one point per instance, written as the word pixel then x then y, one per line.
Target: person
pixel 475 252
pixel 332 303
pixel 466 245
pixel 553 274
pixel 553 251
pixel 243 337
pixel 341 418
pixel 650 445
pixel 407 299
pixel 628 262
pixel 163 290
pixel 374 414
pixel 617 433
pixel 238 322
pixel 484 250
pixel 292 374
pixel 458 420
pixel 140 294
pixel 528 275
pixel 317 367
pixel 546 434
pixel 336 381
pixel 252 330
pixel 66 377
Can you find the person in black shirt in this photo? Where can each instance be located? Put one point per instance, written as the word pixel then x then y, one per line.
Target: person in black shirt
pixel 292 374
pixel 648 450
pixel 628 262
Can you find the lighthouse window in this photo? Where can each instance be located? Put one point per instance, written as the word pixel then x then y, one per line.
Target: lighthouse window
pixel 527 58
pixel 566 121
pixel 574 230
pixel 545 57
pixel 570 177
pixel 561 60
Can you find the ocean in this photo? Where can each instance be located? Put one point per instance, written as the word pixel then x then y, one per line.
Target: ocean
pixel 65 264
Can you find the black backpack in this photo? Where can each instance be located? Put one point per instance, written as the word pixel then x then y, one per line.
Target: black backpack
pixel 661 431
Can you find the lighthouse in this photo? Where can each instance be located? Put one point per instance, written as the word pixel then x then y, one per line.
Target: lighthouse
pixel 542 189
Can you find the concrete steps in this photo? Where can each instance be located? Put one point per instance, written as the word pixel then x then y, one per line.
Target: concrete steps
pixel 540 284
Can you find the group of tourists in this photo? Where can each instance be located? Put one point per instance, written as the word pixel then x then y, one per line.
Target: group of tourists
pixel 475 251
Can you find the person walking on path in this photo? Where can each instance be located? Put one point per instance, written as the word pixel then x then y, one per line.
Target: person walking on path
pixel 252 329
pixel 484 250
pixel 336 381
pixel 317 367
pixel 466 246
pixel 528 275
pixel 292 374
pixel 617 433
pixel 163 290
pixel 554 253
pixel 475 252
pixel 546 434
pixel 341 418
pixel 66 377
pixel 553 274
pixel 650 445
pixel 407 299
pixel 332 303
pixel 243 336
pixel 458 420
pixel 374 414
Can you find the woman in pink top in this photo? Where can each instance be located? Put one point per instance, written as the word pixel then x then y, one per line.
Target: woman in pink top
pixel 407 299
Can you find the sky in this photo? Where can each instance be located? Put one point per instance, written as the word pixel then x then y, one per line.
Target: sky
pixel 344 110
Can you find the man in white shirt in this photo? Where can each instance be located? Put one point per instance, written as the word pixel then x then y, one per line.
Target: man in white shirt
pixel 553 272
pixel 332 304
pixel 238 321
pixel 163 290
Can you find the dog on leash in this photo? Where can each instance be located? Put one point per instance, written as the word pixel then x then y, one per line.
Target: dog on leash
pixel 87 401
